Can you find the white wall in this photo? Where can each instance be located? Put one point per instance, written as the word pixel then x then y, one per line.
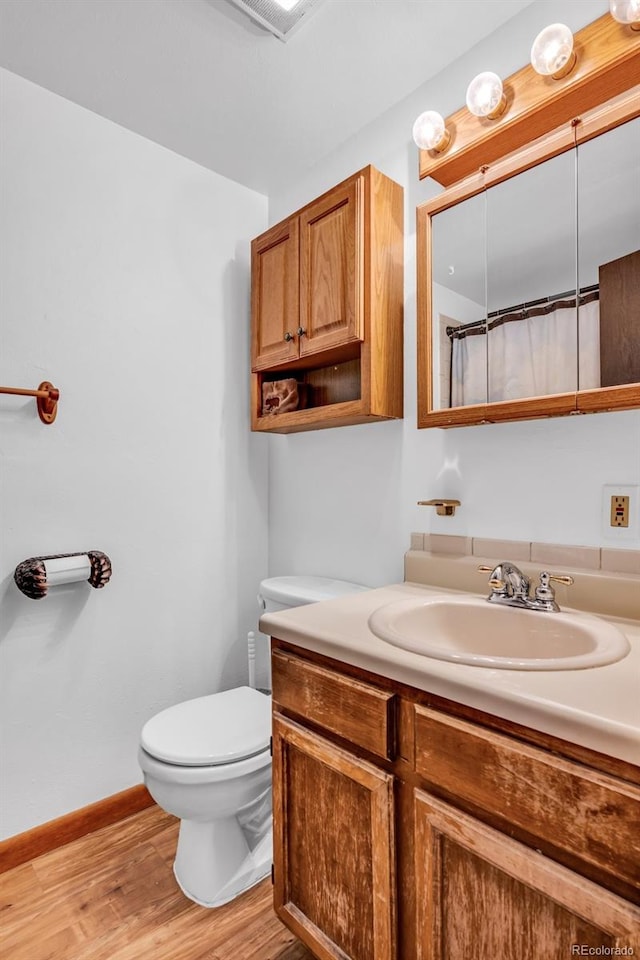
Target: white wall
pixel 343 501
pixel 125 281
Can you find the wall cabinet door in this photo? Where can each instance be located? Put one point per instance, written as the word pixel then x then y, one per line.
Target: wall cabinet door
pixel 334 877
pixel 331 269
pixel 274 296
pixel 481 894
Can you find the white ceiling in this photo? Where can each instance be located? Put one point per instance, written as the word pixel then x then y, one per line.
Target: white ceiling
pixel 200 78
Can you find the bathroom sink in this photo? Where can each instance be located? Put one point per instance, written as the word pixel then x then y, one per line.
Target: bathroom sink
pixel 470 630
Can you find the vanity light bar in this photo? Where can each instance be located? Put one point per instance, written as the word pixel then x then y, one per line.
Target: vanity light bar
pixel 502 117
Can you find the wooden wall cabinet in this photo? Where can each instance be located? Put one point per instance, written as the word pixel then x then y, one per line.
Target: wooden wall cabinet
pixel 327 307
pixel 411 828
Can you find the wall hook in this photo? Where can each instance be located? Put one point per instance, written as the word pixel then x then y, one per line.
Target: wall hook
pixel 444 508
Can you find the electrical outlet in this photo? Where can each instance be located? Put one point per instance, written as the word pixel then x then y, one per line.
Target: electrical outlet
pixel 621 511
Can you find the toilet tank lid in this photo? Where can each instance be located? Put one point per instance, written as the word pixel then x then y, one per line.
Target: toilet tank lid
pixel 215 729
pixel 296 591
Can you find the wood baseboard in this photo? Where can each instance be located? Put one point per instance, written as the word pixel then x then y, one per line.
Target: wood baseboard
pixel 33 843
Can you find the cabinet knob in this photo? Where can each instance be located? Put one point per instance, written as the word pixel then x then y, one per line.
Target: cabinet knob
pixel 301 332
pixel 288 336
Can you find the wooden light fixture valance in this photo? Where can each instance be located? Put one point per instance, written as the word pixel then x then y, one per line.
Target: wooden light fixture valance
pixel 608 63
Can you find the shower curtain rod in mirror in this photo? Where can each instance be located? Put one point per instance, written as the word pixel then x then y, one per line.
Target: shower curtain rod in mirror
pixel 532 308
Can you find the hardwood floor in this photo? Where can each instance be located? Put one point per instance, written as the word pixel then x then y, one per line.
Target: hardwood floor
pixel 112 896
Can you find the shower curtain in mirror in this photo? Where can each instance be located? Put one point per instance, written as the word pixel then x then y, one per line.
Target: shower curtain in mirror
pixel 530 354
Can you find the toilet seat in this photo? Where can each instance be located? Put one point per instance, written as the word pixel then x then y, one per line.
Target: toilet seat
pixel 222 728
pixel 177 774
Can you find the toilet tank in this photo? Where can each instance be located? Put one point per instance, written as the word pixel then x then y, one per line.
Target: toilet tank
pixel 282 593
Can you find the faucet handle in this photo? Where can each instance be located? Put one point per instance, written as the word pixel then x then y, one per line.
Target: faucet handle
pixel 496 583
pixel 545 594
pixel 545 577
pixel 558 578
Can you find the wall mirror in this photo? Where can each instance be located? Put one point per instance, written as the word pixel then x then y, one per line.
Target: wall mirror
pixel 529 279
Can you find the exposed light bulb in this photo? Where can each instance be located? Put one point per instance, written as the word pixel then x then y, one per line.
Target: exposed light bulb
pixel 485 97
pixel 430 133
pixel 626 11
pixel 552 53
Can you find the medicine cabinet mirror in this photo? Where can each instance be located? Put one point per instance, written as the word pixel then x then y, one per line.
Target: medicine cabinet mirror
pixel 529 279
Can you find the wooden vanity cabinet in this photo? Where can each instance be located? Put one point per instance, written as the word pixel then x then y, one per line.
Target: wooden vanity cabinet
pixel 411 828
pixel 327 307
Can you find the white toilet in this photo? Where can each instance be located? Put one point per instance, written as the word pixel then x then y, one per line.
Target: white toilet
pixel 207 761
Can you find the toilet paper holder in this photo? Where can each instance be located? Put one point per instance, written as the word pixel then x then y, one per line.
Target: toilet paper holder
pixel 35 575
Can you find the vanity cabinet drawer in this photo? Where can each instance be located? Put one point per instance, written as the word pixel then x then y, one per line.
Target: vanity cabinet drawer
pixel 348 708
pixel 563 806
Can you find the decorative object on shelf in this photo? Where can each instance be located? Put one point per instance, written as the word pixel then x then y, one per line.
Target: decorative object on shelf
pixel 34 576
pixel 485 96
pixel 626 12
pixel 430 132
pixel 444 508
pixel 552 53
pixel 282 396
pixel 607 51
pixel 46 395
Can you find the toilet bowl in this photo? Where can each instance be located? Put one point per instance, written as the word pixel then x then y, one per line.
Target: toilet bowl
pixel 207 761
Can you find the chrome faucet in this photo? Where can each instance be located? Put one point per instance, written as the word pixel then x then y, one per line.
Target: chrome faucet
pixel 510 586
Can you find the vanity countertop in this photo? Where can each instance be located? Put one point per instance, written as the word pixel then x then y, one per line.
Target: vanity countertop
pixel 598 708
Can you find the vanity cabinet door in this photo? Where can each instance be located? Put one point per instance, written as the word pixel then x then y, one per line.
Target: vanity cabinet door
pixel 331 269
pixel 274 296
pixel 334 878
pixel 481 894
pixel 587 820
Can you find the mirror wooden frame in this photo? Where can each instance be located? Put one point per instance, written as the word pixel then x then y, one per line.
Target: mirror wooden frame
pixel 627 396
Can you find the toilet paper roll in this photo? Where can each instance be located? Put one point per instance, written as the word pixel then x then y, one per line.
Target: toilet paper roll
pixel 67 569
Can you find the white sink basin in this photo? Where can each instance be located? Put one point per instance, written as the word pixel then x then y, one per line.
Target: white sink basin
pixel 470 630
